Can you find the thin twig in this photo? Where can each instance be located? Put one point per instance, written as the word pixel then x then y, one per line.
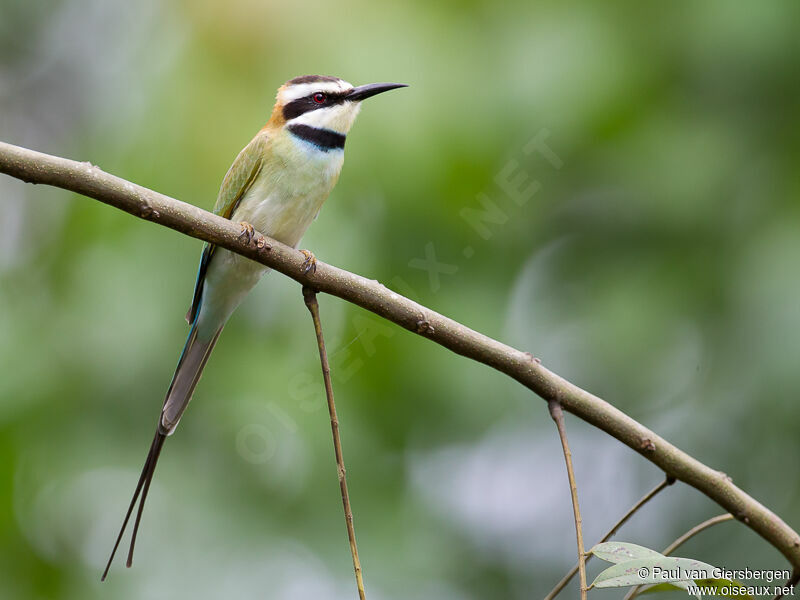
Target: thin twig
pixel 682 540
pixel 694 531
pixel 310 297
pixel 558 416
pixel 642 501
pixel 86 179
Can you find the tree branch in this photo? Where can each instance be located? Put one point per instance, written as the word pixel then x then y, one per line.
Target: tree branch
pixel 88 180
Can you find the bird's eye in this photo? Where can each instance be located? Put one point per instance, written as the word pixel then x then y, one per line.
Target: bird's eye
pixel 319 97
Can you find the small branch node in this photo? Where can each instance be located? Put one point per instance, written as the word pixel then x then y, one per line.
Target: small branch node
pixel 647 445
pixel 532 358
pixel 424 326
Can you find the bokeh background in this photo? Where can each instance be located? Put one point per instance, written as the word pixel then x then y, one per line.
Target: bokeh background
pixel 652 258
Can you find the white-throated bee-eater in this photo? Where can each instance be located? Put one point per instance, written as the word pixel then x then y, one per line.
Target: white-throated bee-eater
pixel 276 185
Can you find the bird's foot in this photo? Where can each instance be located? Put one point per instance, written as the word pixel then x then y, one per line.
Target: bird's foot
pixel 248 231
pixel 310 263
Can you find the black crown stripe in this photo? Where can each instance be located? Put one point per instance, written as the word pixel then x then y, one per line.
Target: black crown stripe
pixel 311 79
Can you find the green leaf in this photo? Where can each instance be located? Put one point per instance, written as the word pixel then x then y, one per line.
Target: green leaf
pixel 726 588
pixel 678 586
pixel 654 569
pixel 664 587
pixel 617 552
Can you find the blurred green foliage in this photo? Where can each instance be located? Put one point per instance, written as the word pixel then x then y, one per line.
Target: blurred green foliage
pixel 656 267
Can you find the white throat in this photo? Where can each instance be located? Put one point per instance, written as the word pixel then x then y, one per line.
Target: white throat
pixel 338 118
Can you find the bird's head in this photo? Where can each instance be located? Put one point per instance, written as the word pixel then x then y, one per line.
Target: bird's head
pixel 317 105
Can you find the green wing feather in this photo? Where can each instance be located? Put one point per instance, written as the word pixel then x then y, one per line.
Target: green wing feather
pixel 240 176
pixel 234 186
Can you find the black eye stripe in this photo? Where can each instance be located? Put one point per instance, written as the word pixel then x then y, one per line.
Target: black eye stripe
pixel 295 108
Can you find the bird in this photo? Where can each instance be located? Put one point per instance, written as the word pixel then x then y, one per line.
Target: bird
pixel 276 186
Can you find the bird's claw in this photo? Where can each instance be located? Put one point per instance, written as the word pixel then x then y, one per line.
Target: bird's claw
pixel 248 231
pixel 310 263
